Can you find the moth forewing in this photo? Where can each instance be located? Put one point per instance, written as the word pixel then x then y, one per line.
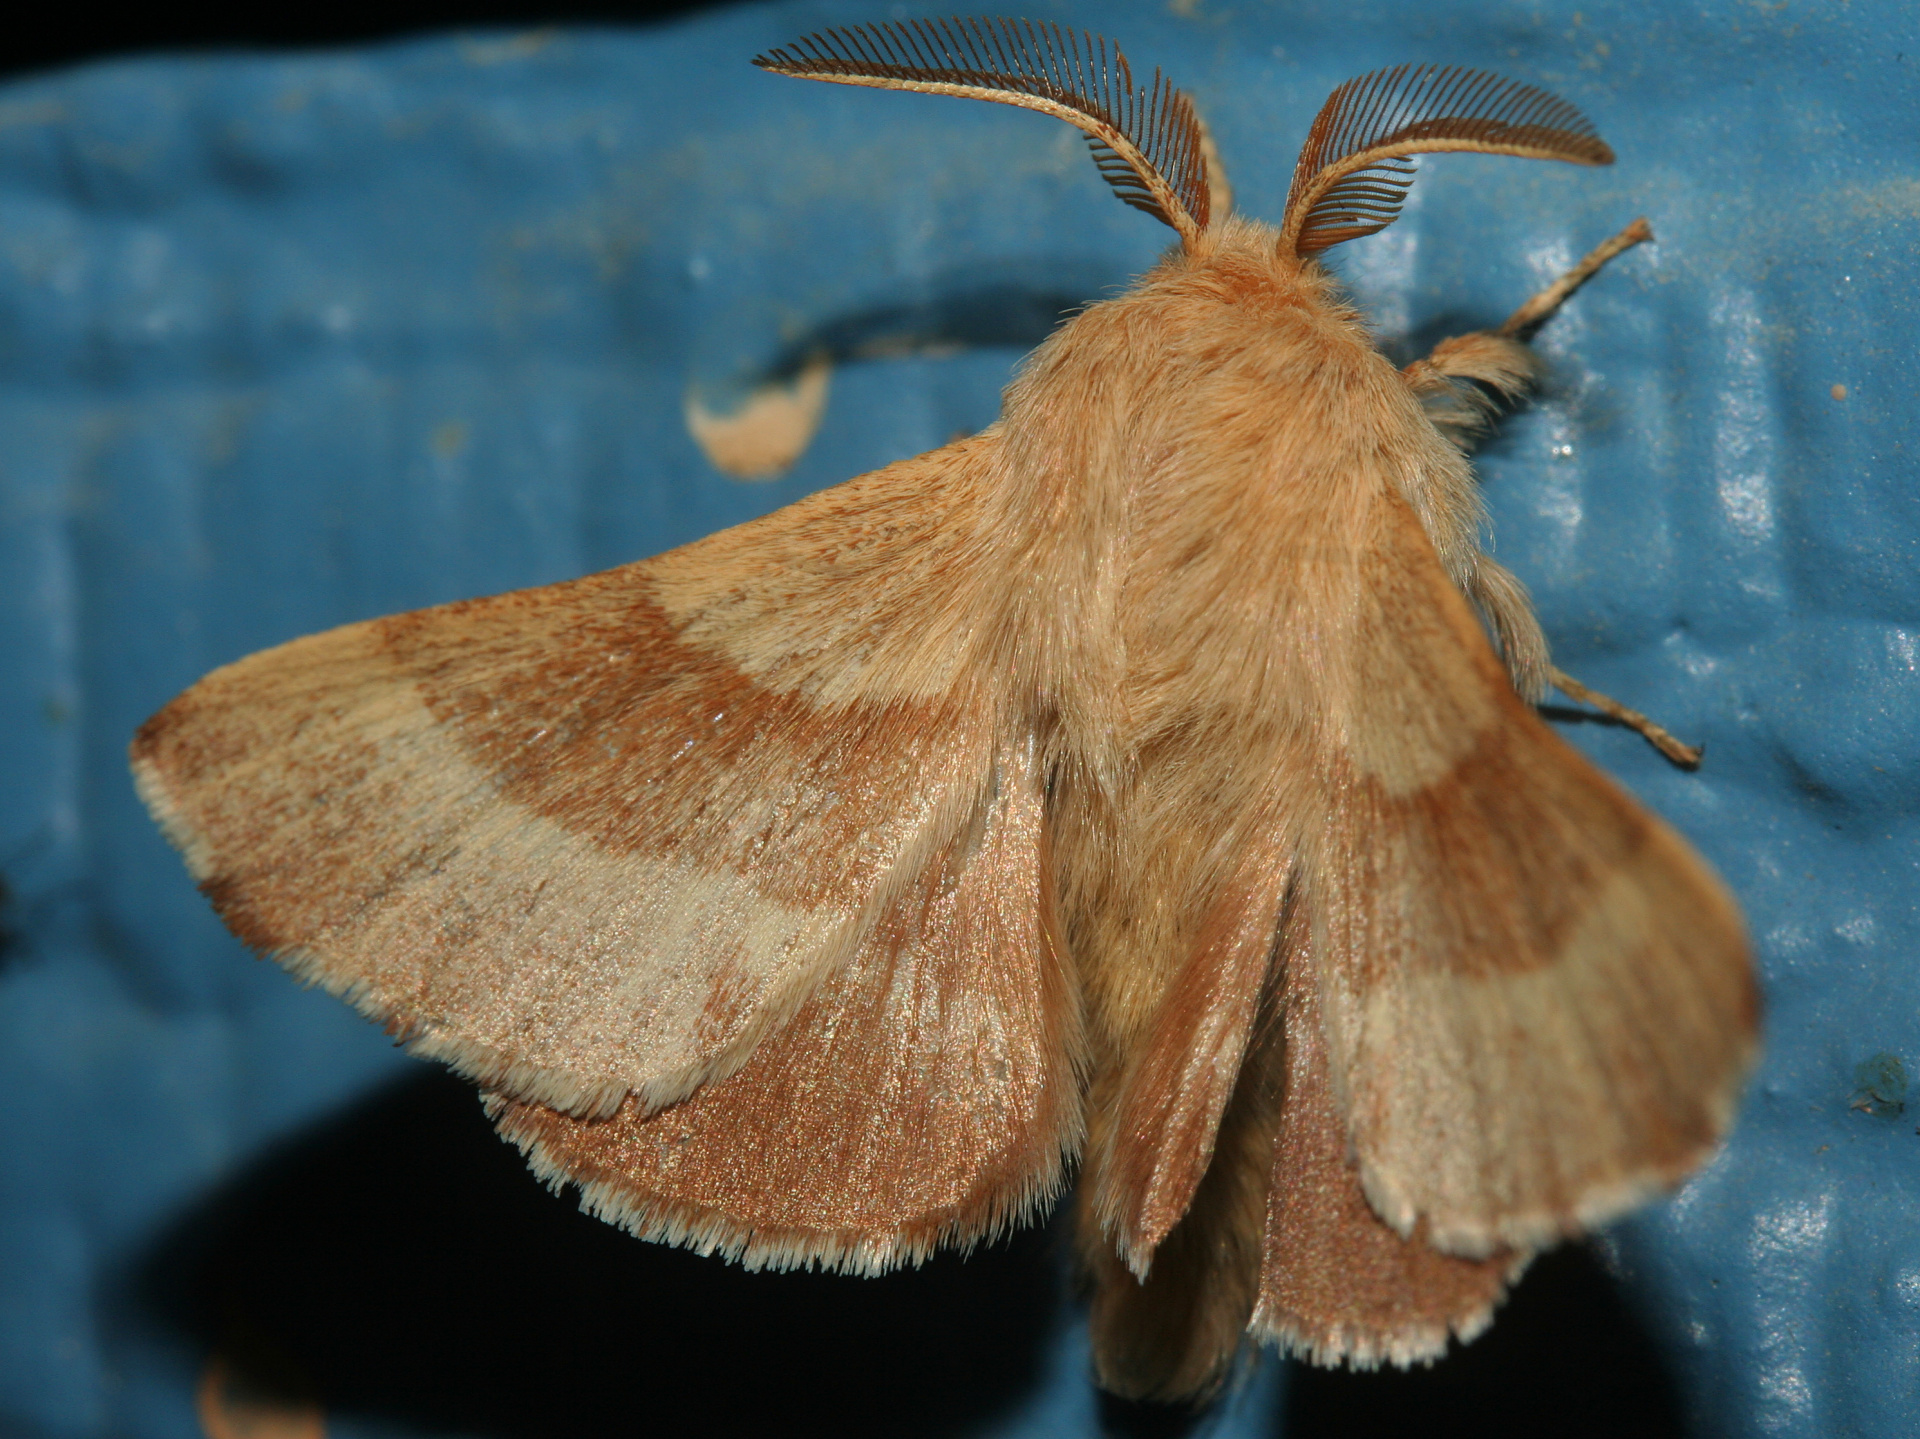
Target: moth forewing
pixel 494 825
pixel 1537 1001
pixel 1132 781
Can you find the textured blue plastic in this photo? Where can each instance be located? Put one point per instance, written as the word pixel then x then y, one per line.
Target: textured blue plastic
pixel 291 341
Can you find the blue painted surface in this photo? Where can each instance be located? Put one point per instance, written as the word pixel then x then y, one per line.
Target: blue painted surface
pixel 290 341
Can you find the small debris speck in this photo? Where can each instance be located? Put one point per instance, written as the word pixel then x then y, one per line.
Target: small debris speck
pixel 1880 1085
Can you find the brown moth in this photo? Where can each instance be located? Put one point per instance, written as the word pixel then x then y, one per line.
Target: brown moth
pixel 1132 783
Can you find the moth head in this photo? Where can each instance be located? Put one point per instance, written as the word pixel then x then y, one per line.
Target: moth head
pixel 1147 141
pixel 1355 169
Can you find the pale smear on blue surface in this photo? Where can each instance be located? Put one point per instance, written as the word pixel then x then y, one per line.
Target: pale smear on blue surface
pixel 286 342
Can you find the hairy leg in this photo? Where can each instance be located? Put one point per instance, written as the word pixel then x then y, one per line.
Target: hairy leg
pixel 1463 384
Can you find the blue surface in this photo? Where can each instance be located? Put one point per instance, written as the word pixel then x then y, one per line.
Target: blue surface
pixel 290 341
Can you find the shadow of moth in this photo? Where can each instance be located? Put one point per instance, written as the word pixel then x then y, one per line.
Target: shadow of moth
pixel 1133 782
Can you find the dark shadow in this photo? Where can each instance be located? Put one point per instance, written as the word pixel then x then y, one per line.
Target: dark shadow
pixel 1418 342
pixel 1144 1419
pixel 401 1261
pixel 965 313
pixel 39 896
pixel 1568 714
pixel 12 942
pixel 1012 305
pixel 1564 1357
pixel 59 37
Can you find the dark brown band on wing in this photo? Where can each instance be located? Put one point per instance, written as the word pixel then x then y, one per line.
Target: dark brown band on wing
pixel 588 709
pixel 509 830
pixel 1473 871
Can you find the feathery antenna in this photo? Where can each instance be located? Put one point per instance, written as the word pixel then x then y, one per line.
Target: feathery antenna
pixel 1147 142
pixel 1354 171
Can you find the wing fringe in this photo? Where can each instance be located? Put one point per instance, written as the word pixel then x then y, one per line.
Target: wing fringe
pixel 708 1231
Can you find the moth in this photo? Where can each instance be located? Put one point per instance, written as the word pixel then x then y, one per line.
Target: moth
pixel 1147 784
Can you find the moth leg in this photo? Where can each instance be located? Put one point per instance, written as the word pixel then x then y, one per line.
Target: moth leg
pixel 1462 384
pixel 1520 324
pixel 1687 756
pixel 1468 378
pixel 1537 311
pixel 1508 612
